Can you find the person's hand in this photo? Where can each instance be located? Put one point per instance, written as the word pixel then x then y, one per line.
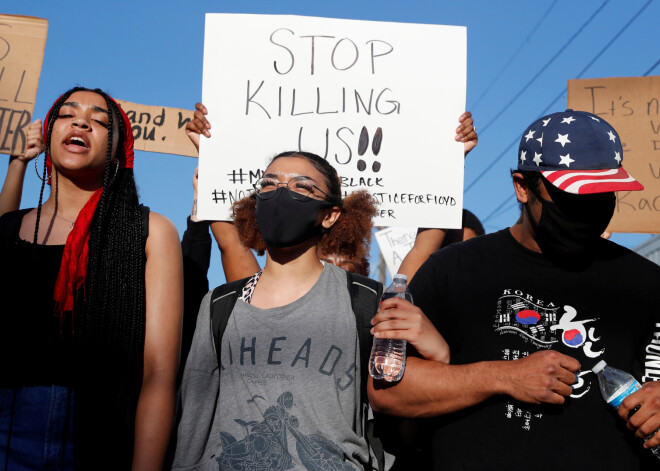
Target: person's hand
pixel 35 142
pixel 646 420
pixel 198 125
pixel 398 319
pixel 542 377
pixel 466 132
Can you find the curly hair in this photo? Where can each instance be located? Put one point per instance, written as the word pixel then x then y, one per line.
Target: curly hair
pixel 350 236
pixel 110 319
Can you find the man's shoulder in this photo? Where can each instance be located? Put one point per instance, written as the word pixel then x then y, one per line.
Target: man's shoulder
pixel 613 253
pixel 477 246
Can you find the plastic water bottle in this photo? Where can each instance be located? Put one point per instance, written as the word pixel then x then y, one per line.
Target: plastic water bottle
pixel 388 356
pixel 615 386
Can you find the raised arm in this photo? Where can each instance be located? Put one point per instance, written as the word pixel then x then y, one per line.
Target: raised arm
pixel 198 125
pixel 466 132
pixel 12 188
pixel 427 241
pixel 164 305
pixel 430 240
pixel 237 260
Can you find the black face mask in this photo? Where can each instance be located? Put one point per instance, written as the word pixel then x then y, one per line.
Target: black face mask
pixel 571 224
pixel 285 222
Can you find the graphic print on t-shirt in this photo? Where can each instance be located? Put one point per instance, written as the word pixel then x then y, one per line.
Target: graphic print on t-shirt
pixel 265 444
pixel 545 324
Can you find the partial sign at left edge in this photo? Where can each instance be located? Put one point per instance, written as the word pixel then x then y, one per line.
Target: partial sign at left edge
pixel 22 44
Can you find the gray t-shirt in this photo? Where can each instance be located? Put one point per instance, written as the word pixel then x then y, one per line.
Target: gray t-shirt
pixel 289 397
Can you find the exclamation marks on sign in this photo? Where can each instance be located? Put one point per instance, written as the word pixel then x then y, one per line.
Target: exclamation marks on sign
pixel 363 145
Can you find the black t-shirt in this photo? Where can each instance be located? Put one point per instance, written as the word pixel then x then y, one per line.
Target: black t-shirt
pixel 35 347
pixel 493 299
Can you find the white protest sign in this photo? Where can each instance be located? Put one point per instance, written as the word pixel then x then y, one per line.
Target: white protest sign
pixel 380 101
pixel 394 244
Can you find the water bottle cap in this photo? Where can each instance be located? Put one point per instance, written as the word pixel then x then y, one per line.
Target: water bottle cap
pixel 400 276
pixel 599 366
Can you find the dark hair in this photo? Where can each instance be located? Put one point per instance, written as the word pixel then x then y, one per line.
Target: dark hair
pixel 469 221
pixel 350 236
pixel 322 165
pixel 109 320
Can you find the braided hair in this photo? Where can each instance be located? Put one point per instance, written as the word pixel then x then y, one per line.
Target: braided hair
pixel 109 321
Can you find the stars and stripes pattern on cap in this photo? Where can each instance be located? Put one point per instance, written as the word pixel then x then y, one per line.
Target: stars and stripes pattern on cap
pixel 592 181
pixel 578 152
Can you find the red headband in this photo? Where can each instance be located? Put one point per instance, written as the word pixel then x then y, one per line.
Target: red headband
pixel 73 268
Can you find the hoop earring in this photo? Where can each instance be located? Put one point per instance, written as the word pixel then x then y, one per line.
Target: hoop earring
pixel 36 168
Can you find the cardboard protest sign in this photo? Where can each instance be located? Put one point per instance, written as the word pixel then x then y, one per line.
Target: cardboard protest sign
pixel 632 106
pixel 394 244
pixel 379 101
pixel 159 129
pixel 22 43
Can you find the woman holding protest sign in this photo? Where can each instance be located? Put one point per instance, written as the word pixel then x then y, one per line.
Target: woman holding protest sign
pixel 92 283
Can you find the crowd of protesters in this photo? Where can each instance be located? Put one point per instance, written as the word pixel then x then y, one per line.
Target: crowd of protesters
pixel 116 355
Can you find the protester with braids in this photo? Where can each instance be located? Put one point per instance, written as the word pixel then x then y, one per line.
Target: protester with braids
pixel 90 328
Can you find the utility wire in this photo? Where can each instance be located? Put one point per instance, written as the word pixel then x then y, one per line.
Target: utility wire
pixel 614 38
pixel 652 67
pixel 563 92
pixel 547 64
pixel 515 54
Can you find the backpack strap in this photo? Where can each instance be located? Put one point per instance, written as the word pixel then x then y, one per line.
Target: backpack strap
pixel 365 297
pixel 223 299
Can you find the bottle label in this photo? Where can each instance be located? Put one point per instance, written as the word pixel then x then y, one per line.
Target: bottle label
pixel 618 397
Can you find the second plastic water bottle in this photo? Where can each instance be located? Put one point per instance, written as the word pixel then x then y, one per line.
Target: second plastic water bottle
pixel 615 386
pixel 388 356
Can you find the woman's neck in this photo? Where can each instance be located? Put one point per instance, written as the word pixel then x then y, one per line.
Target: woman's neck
pixel 293 263
pixel 66 198
pixel 288 275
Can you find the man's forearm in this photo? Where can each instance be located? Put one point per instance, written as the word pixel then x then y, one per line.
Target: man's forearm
pixel 431 388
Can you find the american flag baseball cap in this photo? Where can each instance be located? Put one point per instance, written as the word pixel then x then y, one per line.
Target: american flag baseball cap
pixel 576 151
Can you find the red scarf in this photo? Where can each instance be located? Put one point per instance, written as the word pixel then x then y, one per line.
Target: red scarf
pixel 73 268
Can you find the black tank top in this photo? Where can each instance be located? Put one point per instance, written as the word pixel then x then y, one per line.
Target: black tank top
pixel 35 346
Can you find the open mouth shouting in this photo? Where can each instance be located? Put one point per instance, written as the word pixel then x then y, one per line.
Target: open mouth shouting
pixel 76 143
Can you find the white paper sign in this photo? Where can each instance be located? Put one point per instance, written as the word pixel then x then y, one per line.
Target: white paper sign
pixel 380 101
pixel 394 244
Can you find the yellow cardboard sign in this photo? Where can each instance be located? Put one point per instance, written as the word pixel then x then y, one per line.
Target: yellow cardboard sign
pixel 632 106
pixel 160 129
pixel 22 43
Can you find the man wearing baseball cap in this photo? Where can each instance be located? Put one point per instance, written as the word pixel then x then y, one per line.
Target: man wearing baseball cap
pixel 528 311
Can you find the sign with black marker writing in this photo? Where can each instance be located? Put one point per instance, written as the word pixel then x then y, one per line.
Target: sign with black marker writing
pixel 379 101
pixel 394 244
pixel 632 106
pixel 159 129
pixel 22 43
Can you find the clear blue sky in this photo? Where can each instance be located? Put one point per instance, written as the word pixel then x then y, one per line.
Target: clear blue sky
pixel 150 52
